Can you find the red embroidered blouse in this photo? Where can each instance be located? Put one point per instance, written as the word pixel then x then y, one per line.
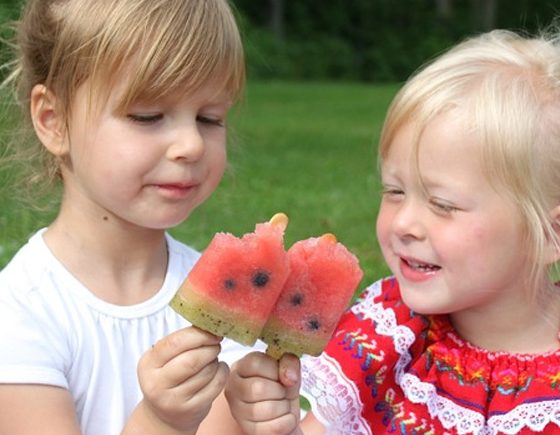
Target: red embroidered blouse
pixel 388 370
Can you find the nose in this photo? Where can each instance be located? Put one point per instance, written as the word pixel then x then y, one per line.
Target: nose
pixel 187 144
pixel 408 221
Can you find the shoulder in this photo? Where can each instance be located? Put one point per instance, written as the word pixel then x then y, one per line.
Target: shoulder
pixel 27 270
pixel 34 248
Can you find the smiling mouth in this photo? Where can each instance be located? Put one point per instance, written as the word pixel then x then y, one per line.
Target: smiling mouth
pixel 420 266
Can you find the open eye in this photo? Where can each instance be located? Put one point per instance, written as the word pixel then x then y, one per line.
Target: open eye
pixel 145 118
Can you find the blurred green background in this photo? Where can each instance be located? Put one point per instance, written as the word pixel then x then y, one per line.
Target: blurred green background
pixel 303 141
pixel 370 40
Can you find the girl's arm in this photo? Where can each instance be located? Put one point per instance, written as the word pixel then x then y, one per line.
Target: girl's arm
pixel 34 409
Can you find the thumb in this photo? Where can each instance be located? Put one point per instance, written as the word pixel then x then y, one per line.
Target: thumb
pixel 289 371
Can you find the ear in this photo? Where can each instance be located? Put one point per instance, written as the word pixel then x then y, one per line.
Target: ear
pixel 47 120
pixel 553 250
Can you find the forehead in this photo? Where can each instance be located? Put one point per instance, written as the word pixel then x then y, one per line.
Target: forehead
pixel 444 147
pixel 118 94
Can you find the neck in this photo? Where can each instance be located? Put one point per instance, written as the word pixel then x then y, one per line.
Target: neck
pixel 516 325
pixel 118 262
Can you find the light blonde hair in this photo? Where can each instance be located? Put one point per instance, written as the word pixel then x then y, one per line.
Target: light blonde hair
pixel 160 47
pixel 506 89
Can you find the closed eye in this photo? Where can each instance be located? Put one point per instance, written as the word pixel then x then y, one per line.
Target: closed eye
pixel 443 207
pixel 219 122
pixel 145 118
pixel 390 191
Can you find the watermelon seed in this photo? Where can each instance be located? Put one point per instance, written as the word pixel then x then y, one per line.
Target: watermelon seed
pixel 296 299
pixel 260 279
pixel 313 324
pixel 229 284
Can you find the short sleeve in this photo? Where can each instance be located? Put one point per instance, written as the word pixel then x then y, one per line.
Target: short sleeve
pixel 33 347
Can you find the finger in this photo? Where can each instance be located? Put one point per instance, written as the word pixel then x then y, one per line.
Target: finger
pixel 261 417
pixel 255 389
pixel 210 389
pixel 188 364
pixel 178 342
pixel 265 410
pixel 284 424
pixel 257 364
pixel 289 371
pixel 194 384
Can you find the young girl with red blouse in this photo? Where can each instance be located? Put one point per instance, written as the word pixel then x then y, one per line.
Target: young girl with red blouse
pixel 463 338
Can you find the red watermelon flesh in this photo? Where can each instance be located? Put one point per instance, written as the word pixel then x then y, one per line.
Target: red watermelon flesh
pixel 323 278
pixel 233 287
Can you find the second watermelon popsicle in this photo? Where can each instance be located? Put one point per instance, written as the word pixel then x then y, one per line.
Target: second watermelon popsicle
pixel 323 278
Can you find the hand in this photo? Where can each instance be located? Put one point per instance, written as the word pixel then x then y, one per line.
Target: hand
pixel 263 394
pixel 180 378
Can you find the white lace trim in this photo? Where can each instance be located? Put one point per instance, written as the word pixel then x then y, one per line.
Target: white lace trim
pixel 534 416
pixel 465 421
pixel 335 400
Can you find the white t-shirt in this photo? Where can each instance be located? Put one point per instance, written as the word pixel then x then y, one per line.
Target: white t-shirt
pixel 54 331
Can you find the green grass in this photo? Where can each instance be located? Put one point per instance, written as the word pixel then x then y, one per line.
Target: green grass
pixel 307 149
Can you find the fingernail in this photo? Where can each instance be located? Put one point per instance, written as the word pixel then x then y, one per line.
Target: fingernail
pixel 292 376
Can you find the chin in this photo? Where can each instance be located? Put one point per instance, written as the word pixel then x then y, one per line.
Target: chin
pixel 162 224
pixel 166 222
pixel 420 303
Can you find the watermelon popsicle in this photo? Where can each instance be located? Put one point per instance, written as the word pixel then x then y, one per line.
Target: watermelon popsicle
pixel 323 278
pixel 233 287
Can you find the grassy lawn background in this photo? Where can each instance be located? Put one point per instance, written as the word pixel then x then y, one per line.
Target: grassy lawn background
pixel 307 149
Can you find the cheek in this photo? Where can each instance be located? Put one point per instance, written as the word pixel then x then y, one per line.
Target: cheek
pixel 497 236
pixel 383 225
pixel 476 250
pixel 216 167
pixel 464 240
pixel 219 162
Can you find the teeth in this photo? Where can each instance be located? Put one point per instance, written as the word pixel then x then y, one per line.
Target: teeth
pixel 422 266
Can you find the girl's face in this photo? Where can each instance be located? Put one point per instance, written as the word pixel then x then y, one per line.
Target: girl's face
pixel 151 166
pixel 453 242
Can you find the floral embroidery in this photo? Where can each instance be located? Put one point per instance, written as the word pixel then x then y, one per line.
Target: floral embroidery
pixel 395 417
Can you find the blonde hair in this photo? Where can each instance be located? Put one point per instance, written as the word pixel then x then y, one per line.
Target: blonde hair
pixel 161 48
pixel 506 88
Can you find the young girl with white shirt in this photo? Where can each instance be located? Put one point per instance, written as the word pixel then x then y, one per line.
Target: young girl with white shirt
pixel 128 100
